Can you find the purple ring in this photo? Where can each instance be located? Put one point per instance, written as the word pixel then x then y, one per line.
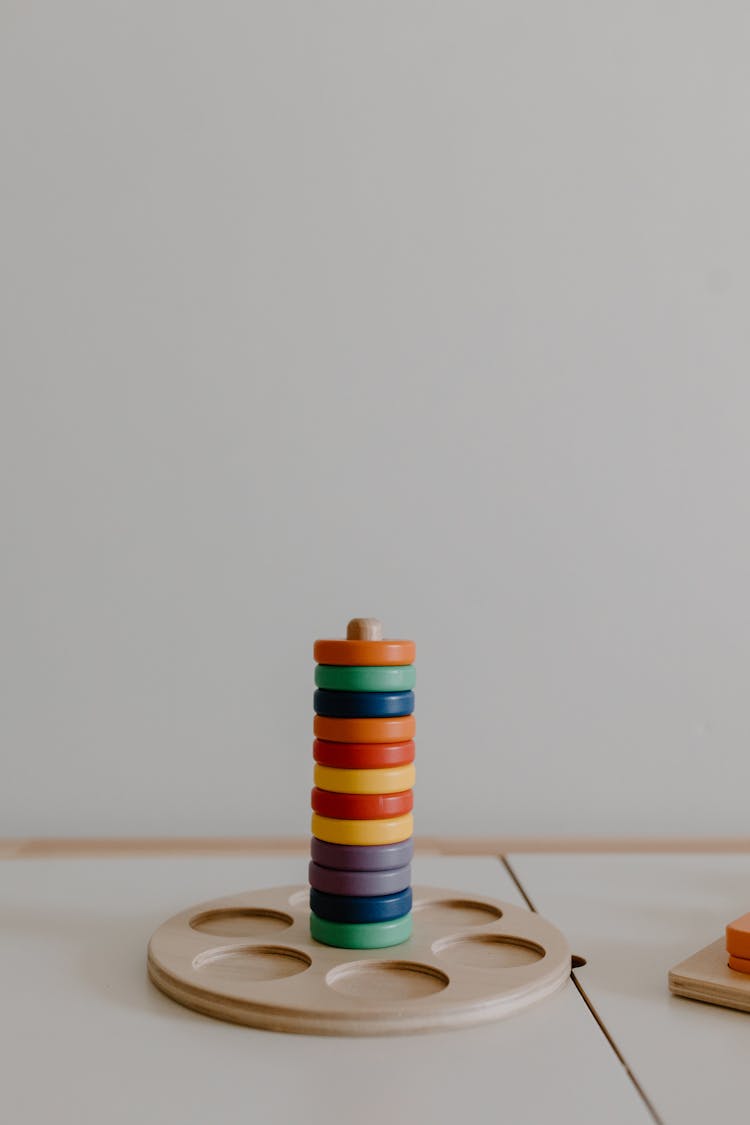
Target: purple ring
pixel 361 884
pixel 358 857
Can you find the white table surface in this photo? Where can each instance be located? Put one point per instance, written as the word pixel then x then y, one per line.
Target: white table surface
pixel 84 1036
pixel 633 918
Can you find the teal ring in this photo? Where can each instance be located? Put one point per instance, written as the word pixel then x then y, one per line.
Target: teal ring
pixel 361 935
pixel 339 677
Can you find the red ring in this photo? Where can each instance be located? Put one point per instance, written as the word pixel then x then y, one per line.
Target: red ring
pixel 363 755
pixel 361 806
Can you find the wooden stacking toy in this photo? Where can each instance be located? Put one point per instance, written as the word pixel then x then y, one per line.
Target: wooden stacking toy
pixel 318 959
pixel 360 869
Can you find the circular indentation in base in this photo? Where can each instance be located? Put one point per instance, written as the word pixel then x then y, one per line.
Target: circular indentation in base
pixel 241 922
pixel 488 951
pixel 386 980
pixel 254 962
pixel 453 912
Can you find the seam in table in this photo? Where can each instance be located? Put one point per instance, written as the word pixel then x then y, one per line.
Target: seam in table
pixel 590 1005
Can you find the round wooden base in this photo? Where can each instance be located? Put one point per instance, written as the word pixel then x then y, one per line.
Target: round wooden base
pixel 250 959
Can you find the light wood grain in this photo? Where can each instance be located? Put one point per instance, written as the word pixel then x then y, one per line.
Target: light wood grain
pixel 364 629
pixel 249 959
pixel 706 976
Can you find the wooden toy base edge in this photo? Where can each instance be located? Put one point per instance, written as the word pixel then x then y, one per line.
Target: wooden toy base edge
pixel 174 978
pixel 707 977
pixel 221 1009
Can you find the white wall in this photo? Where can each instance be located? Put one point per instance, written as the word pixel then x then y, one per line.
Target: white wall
pixel 434 311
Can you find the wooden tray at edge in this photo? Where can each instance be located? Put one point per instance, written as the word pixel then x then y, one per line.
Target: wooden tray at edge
pixel 706 976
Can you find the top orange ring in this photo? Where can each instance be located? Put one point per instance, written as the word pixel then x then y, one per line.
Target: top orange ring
pixel 364 653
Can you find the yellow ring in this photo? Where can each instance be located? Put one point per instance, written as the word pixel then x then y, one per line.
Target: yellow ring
pixel 392 779
pixel 367 832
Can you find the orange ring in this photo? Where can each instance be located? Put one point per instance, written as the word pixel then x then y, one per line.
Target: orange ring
pixel 738 937
pixel 400 729
pixel 739 964
pixel 364 653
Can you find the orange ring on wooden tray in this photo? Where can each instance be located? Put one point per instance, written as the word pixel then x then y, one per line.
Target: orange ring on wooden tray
pixel 361 806
pixel 739 964
pixel 395 780
pixel 738 937
pixel 363 755
pixel 398 729
pixel 360 653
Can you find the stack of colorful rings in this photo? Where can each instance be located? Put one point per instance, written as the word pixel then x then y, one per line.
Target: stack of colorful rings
pixel 360 870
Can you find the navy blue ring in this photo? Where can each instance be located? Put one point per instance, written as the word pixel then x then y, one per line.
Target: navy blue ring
pixel 363 704
pixel 345 908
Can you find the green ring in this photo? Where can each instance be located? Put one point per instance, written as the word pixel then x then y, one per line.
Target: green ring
pixel 361 935
pixel 336 677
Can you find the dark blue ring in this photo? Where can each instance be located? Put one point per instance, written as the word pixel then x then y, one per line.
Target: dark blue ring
pixel 363 704
pixel 346 908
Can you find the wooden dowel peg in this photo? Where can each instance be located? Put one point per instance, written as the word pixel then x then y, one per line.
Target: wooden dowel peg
pixel 364 629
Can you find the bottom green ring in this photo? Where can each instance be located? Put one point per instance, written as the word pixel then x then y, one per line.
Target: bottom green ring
pixel 361 935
